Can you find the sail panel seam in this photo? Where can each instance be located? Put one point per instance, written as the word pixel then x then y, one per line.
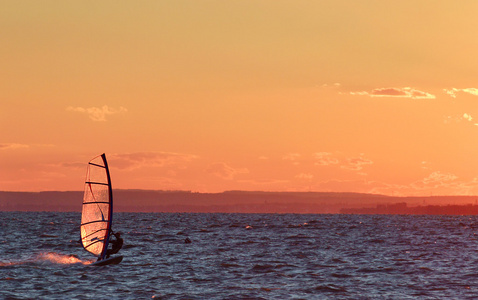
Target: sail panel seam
pixel 97 241
pixel 95 232
pixel 98 221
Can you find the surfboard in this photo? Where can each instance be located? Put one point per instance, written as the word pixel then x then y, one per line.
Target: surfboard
pixel 114 260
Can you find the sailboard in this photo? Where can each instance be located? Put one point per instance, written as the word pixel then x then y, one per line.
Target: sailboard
pixel 97 211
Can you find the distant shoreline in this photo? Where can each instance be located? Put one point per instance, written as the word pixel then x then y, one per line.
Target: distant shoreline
pixel 244 202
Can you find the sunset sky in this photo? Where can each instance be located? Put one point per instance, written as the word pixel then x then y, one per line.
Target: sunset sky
pixel 345 96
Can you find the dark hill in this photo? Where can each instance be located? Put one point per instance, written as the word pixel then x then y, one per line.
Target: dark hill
pixel 230 201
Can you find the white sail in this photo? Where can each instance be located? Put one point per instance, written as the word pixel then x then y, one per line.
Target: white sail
pixel 97 208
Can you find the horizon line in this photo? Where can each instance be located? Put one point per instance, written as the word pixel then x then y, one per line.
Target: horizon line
pixel 247 191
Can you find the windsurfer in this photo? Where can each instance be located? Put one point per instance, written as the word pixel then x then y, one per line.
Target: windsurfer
pixel 116 244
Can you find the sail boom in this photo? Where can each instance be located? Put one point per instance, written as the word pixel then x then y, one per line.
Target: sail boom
pixel 100 183
pixel 96 165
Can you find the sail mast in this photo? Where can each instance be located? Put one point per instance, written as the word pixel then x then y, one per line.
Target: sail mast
pixel 110 197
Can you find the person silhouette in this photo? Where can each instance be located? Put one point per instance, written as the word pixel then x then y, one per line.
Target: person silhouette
pixel 116 244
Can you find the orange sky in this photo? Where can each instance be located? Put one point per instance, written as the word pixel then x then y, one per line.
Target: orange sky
pixel 361 96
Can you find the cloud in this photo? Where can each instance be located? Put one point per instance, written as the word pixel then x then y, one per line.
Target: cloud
pixel 325 159
pixel 333 86
pixel 12 146
pixel 406 92
pixel 472 91
pixel 453 91
pixel 424 165
pixel 150 159
pixel 357 163
pixel 351 163
pixel 291 156
pixel 392 92
pixel 467 117
pixel 97 113
pixel 438 179
pixel 459 118
pixel 224 171
pixel 435 181
pixel 305 176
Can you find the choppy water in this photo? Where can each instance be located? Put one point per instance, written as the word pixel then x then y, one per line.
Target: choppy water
pixel 244 256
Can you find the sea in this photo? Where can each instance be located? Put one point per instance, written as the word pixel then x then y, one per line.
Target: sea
pixel 243 256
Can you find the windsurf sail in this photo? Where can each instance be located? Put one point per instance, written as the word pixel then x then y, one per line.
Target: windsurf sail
pixel 97 211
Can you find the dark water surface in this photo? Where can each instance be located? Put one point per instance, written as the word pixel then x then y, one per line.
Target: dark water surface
pixel 244 256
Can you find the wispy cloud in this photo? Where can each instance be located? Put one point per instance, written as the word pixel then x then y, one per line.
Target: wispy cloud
pixel 459 118
pixel 356 163
pixel 438 178
pixel 12 146
pixel 406 92
pixel 454 91
pixel 305 176
pixel 150 159
pixel 425 165
pixel 293 157
pixel 325 159
pixel 97 113
pixel 331 86
pixel 225 171
pixel 467 117
pixel 436 181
